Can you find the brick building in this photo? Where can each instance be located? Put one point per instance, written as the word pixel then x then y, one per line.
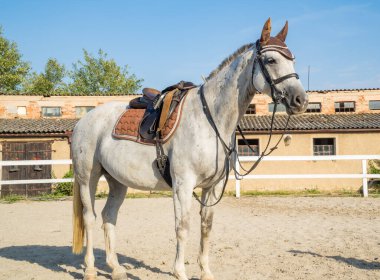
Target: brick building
pixel 330 102
pixel 336 122
pixel 56 106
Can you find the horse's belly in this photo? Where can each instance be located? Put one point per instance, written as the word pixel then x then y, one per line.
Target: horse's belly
pixel 132 164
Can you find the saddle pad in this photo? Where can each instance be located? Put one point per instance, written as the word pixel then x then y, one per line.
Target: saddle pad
pixel 127 126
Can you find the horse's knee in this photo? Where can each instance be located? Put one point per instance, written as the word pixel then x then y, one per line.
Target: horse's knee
pixel 183 229
pixel 206 223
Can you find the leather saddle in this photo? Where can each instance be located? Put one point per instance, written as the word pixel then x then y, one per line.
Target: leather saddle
pixel 149 94
pixel 153 115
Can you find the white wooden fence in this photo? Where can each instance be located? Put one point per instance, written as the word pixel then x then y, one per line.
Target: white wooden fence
pixel 363 175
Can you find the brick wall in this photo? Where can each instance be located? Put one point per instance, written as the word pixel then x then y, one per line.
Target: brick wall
pixel 328 99
pixel 34 104
pixel 3 111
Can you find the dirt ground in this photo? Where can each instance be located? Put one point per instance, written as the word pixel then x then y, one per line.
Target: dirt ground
pixel 253 238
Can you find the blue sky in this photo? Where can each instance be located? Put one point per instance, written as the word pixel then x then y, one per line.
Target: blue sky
pixel 167 41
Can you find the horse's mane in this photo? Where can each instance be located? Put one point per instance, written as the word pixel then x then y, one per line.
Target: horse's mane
pixel 228 60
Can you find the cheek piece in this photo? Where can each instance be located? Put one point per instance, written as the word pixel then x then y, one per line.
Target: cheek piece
pixel 278 96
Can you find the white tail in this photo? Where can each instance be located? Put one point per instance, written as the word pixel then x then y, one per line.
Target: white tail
pixel 78 226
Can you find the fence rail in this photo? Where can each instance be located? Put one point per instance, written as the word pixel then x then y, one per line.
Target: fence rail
pixel 363 175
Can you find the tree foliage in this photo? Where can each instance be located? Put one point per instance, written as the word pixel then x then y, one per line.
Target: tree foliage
pixel 101 75
pixel 12 69
pixel 48 82
pixel 95 74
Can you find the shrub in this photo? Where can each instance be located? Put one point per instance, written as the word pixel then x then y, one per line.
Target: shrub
pixel 375 185
pixel 63 189
pixel 372 169
pixel 12 198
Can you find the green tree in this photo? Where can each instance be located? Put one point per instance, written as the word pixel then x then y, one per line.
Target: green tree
pixel 48 82
pixel 101 75
pixel 12 69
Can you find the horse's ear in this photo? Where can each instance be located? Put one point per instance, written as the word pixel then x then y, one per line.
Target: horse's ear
pixel 265 34
pixel 282 34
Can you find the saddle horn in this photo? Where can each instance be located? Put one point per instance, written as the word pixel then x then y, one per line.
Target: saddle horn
pixel 265 34
pixel 283 33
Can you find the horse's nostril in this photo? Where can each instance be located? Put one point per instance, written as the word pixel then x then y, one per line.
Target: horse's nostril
pixel 297 101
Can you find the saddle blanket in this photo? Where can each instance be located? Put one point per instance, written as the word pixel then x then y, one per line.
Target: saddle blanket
pixel 128 124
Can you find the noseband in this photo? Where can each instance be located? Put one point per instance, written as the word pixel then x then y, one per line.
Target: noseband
pixel 277 95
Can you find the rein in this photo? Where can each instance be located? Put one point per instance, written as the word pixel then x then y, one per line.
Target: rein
pixel 277 97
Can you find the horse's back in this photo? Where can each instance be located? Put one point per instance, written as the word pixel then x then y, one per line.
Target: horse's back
pixel 93 126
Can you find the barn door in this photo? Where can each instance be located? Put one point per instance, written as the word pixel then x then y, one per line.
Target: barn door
pixel 13 151
pixel 38 151
pixel 26 151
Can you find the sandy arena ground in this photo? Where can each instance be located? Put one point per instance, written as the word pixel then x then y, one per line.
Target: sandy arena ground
pixel 253 238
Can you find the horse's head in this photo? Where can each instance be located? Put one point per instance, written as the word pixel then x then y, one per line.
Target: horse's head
pixel 274 73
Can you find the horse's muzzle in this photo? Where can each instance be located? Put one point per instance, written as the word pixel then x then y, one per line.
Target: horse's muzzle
pixel 297 102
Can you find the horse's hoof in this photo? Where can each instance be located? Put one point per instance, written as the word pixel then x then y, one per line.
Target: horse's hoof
pixel 207 276
pixel 119 273
pixel 181 277
pixel 90 274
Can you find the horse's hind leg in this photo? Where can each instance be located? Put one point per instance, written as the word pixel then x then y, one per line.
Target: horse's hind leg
pixel 116 197
pixel 88 183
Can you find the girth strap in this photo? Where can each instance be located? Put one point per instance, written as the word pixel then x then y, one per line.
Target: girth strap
pixel 171 95
pixel 163 163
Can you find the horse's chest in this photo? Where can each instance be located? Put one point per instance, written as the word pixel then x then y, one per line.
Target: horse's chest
pixel 204 161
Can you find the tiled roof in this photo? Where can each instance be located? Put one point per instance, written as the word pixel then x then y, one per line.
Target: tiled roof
pixel 36 126
pixel 305 122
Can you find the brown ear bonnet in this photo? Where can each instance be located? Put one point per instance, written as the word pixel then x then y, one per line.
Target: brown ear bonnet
pixel 268 43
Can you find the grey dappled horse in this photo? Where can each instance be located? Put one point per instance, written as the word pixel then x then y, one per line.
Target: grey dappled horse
pixel 197 158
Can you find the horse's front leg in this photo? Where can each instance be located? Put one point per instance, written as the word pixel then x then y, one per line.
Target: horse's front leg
pixel 209 197
pixel 182 196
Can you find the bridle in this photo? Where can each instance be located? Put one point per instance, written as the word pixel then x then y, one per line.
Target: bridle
pixel 277 97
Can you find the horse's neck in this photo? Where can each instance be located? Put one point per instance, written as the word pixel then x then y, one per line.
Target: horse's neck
pixel 229 94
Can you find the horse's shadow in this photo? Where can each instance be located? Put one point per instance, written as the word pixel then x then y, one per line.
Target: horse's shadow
pixel 58 258
pixel 358 263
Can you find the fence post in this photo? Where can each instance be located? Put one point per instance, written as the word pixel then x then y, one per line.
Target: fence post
pixel 365 180
pixel 237 182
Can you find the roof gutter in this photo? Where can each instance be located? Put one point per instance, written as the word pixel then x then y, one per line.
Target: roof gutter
pixel 299 131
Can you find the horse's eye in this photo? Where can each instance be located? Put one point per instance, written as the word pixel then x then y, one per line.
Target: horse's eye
pixel 271 60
